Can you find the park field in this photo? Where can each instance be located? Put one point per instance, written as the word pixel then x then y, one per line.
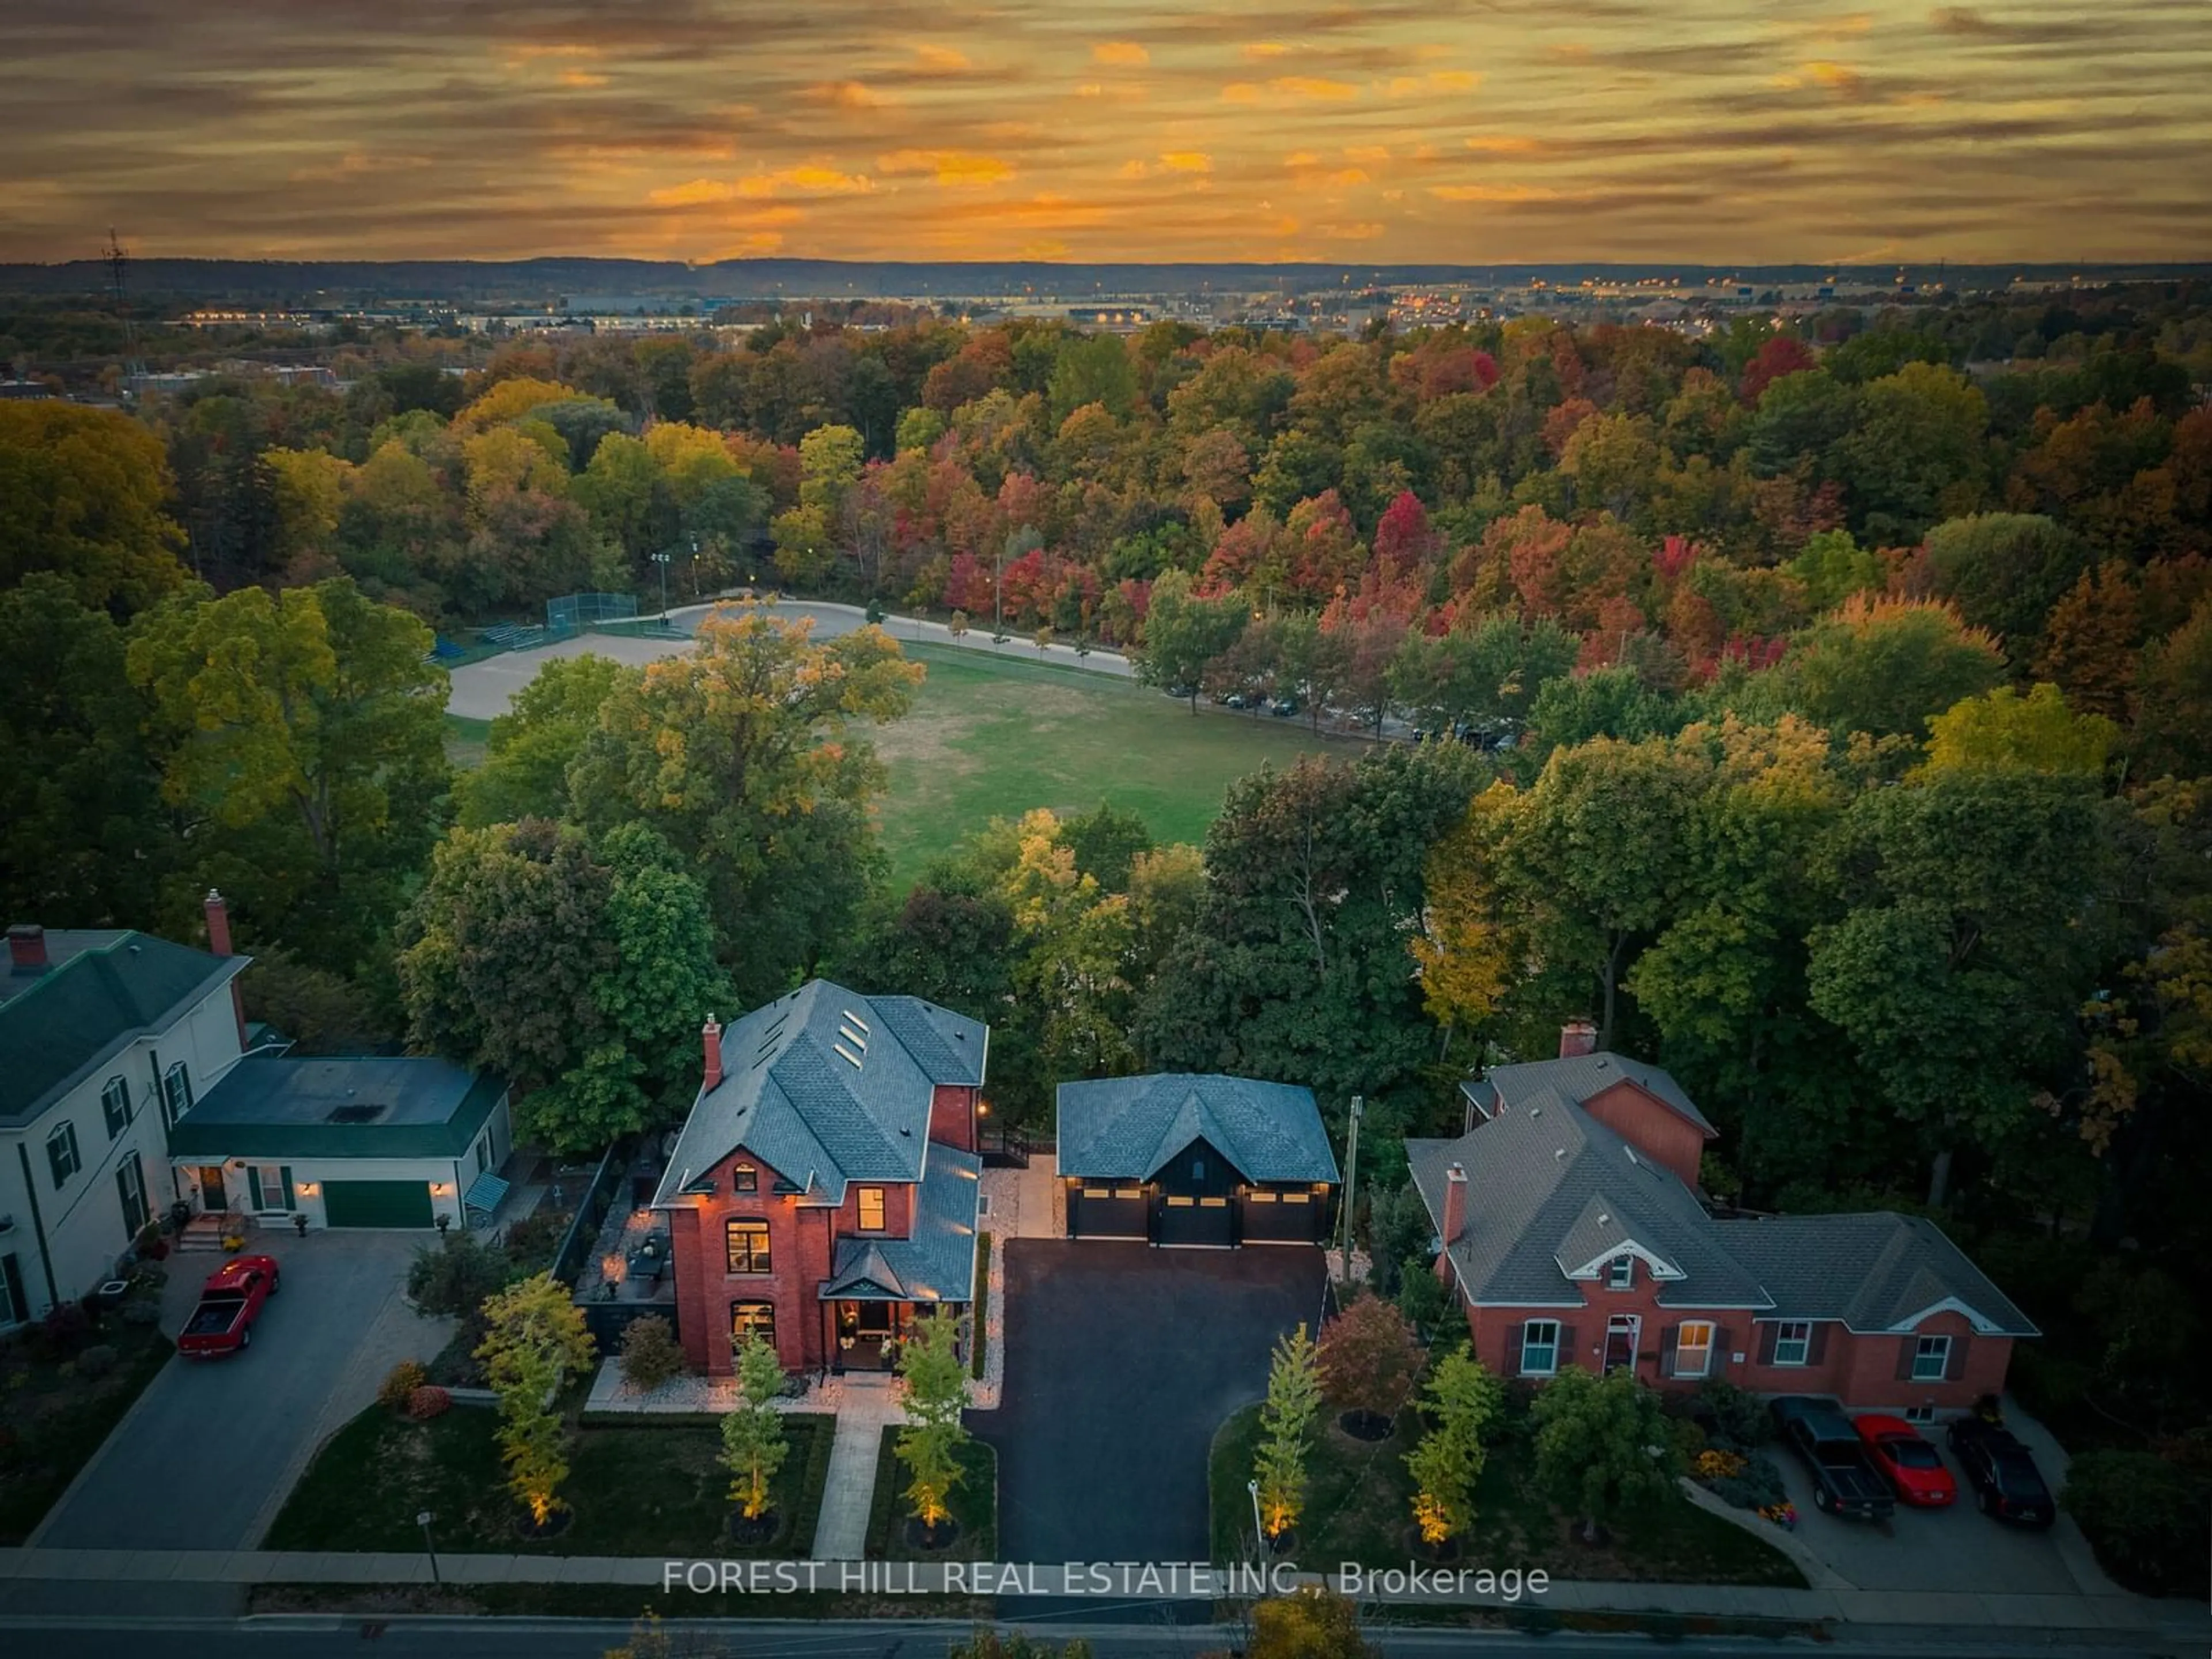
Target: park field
pixel 990 736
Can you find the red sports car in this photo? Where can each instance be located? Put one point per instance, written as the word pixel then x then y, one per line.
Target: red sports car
pixel 1908 1463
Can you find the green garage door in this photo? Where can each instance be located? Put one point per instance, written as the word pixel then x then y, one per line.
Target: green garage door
pixel 376 1203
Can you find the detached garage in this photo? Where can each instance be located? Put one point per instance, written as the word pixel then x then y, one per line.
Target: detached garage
pixel 347 1143
pixel 1202 1162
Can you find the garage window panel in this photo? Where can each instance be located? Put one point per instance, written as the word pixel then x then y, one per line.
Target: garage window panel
pixel 748 1247
pixel 1128 1192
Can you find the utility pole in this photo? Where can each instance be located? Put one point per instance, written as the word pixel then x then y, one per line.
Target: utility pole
pixel 1350 1174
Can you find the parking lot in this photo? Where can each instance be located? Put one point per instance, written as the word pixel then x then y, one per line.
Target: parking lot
pixel 1955 1549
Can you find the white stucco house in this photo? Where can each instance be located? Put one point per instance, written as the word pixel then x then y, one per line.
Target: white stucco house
pixel 127 1086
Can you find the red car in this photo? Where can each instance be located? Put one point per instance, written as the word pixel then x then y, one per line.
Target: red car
pixel 1908 1463
pixel 230 1302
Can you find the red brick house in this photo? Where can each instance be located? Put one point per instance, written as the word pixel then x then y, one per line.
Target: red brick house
pixel 1569 1228
pixel 824 1188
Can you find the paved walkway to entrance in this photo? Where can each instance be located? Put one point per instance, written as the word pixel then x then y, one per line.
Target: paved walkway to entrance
pixel 841 1534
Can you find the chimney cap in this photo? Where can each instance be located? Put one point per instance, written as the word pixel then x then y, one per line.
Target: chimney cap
pixel 215 896
pixel 1455 1172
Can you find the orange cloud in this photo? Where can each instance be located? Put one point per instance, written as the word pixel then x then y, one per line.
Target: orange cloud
pixel 581 79
pixel 1507 144
pixel 803 180
pixel 1187 161
pixel 1412 86
pixel 846 94
pixel 941 60
pixel 1256 51
pixel 1122 54
pixel 952 168
pixel 1312 85
pixel 1492 193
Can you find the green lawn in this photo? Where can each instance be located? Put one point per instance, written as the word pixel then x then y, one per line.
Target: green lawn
pixel 650 1487
pixel 1359 1508
pixel 974 1506
pixel 464 741
pixel 992 737
pixel 53 1417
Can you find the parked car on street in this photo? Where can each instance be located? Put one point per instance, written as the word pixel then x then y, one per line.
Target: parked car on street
pixel 1283 707
pixel 230 1302
pixel 2002 1472
pixel 1902 1457
pixel 1844 1479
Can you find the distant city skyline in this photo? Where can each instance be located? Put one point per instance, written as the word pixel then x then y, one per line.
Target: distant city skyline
pixel 1511 131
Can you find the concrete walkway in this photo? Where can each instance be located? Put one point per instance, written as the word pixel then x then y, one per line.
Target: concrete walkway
pixel 841 1533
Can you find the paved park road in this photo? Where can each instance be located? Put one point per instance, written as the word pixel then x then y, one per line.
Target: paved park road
pixel 482 690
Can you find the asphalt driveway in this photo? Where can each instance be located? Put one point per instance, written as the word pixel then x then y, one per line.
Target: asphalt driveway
pixel 1122 1361
pixel 206 1457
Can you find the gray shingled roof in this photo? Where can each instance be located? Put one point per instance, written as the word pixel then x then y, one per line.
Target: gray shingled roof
pixel 938 1263
pixel 1578 1076
pixel 101 990
pixel 1126 1127
pixel 1873 1271
pixel 1551 1190
pixel 826 1086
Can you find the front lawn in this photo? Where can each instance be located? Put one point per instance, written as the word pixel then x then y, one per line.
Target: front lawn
pixel 651 1486
pixel 1359 1508
pixel 54 1416
pixel 974 1506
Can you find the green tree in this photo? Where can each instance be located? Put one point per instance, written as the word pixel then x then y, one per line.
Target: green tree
pixel 530 748
pixel 1184 634
pixel 1606 702
pixel 1294 1393
pixel 2004 571
pixel 2006 732
pixel 1917 451
pixel 455 1278
pixel 534 1340
pixel 753 1442
pixel 83 492
pixel 935 1394
pixel 1463 1400
pixel 1422 1296
pixel 746 755
pixel 1092 369
pixel 2175 695
pixel 1834 567
pixel 303 743
pixel 1604 1446
pixel 1884 666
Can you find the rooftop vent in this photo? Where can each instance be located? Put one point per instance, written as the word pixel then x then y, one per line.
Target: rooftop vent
pixel 845 1054
pixel 361 1113
pixel 1604 1219
pixel 1535 1111
pixel 852 1018
pixel 1560 1154
pixel 1633 1158
pixel 853 1036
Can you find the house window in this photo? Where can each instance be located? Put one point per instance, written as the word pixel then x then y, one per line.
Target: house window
pixel 1693 1347
pixel 177 1090
pixel 752 1319
pixel 748 1242
pixel 1621 1272
pixel 744 1178
pixel 1793 1342
pixel 1931 1358
pixel 115 1104
pixel 270 1186
pixel 15 1306
pixel 1540 1347
pixel 131 1184
pixel 1197 1168
pixel 60 1154
pixel 1920 1414
pixel 872 1209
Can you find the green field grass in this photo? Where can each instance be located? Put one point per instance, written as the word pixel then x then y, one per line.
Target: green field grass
pixel 464 741
pixel 993 737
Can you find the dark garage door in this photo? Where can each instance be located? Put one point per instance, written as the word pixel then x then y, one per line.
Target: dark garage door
pixel 376 1203
pixel 1280 1218
pixel 1095 1210
pixel 1186 1220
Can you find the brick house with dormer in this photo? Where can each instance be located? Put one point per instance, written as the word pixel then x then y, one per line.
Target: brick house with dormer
pixel 1570 1228
pixel 823 1189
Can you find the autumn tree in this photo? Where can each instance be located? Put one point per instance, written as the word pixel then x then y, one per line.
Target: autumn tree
pixel 1466 951
pixel 1370 1362
pixel 2089 643
pixel 1309 1624
pixel 534 1341
pixel 754 1445
pixel 2004 730
pixel 935 1394
pixel 1463 1400
pixel 1885 666
pixel 1603 1446
pixel 84 494
pixel 2175 695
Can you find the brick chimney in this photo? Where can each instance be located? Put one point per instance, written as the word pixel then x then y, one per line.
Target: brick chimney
pixel 218 930
pixel 710 1038
pixel 1454 1222
pixel 26 947
pixel 1577 1038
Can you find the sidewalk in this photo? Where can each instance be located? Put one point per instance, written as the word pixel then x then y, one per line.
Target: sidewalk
pixel 841 1532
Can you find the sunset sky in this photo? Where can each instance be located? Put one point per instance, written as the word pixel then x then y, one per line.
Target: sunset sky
pixel 1705 131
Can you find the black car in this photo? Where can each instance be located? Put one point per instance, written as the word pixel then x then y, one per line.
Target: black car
pixel 1844 1482
pixel 2002 1473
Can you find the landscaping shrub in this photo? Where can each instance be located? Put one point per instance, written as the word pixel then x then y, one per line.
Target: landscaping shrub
pixel 399 1384
pixel 454 1278
pixel 64 1328
pixel 141 1311
pixel 428 1401
pixel 456 1364
pixel 531 1241
pixel 2145 1519
pixel 1755 1484
pixel 650 1353
pixel 96 1361
pixel 1732 1417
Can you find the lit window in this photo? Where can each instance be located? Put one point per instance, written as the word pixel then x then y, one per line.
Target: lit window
pixel 872 1209
pixel 1621 1272
pixel 752 1319
pixel 1693 1348
pixel 748 1247
pixel 744 1178
pixel 1540 1347
pixel 60 1154
pixel 115 1103
pixel 1931 1358
pixel 1793 1342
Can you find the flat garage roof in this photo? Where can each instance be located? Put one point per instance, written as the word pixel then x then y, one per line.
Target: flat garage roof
pixel 279 1107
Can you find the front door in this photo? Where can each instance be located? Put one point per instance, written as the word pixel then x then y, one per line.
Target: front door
pixel 867 1344
pixel 1620 1334
pixel 211 1194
